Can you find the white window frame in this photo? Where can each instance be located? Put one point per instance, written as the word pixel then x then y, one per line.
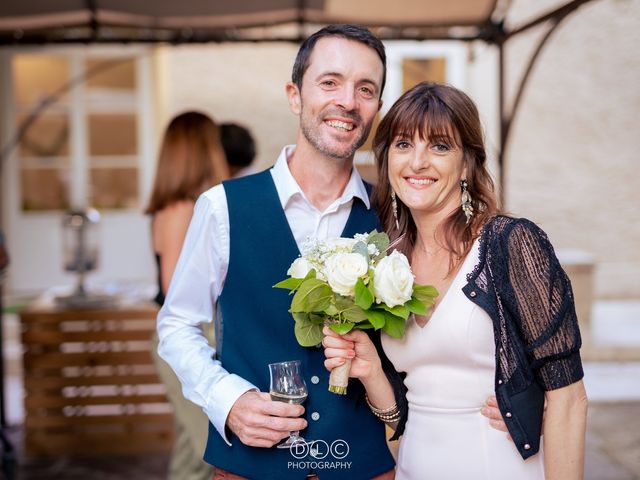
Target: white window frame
pixel 79 167
pixel 454 53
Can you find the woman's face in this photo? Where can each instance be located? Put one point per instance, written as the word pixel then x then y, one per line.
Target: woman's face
pixel 426 174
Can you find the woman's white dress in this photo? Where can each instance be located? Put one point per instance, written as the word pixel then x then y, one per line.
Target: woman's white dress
pixel 450 365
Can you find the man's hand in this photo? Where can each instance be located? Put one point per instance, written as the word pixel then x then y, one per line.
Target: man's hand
pixel 258 421
pixel 492 412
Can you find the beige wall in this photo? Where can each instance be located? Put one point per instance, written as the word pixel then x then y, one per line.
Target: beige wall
pixel 573 153
pixel 231 82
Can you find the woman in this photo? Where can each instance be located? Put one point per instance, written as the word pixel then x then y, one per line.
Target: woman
pixel 191 161
pixel 504 321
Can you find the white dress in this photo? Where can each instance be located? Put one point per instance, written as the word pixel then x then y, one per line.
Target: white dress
pixel 450 367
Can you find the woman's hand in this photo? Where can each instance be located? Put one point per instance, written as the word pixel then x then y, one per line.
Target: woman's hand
pixel 355 345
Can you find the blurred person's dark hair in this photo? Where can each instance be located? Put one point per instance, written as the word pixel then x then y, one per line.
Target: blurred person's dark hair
pixel 356 33
pixel 239 146
pixel 191 160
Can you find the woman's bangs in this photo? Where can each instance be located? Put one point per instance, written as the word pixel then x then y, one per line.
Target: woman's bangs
pixel 430 119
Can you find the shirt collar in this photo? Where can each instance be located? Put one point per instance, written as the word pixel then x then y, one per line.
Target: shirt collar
pixel 287 186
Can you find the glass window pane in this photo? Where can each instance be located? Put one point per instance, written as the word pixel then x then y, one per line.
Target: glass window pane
pixel 114 188
pixel 111 73
pixel 45 189
pixel 416 70
pixel 46 136
pixel 113 134
pixel 38 76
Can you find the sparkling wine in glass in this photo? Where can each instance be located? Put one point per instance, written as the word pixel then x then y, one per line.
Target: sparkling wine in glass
pixel 287 385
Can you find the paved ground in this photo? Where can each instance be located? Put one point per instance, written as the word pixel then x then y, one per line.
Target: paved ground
pixel 613 441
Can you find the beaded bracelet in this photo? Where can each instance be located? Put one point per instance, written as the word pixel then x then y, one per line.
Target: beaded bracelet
pixel 388 415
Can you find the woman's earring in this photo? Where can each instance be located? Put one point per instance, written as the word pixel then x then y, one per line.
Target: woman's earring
pixel 394 207
pixel 467 208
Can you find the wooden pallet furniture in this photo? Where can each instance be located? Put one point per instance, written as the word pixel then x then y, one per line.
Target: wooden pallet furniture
pixel 90 383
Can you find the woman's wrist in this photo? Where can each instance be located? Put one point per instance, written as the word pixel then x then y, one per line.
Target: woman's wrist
pixel 375 379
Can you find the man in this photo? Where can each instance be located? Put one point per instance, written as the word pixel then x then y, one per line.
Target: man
pixel 242 239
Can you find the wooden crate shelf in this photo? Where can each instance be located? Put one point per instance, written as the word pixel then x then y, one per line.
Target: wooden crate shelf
pixel 90 383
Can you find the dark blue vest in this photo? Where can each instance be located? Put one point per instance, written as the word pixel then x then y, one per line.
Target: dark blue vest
pixel 258 330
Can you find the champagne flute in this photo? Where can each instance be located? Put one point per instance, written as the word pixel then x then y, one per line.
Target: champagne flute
pixel 287 385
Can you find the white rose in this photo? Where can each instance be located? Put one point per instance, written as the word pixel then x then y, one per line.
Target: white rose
pixel 299 268
pixel 393 280
pixel 342 271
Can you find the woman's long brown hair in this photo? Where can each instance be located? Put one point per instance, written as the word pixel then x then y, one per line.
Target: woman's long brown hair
pixel 191 160
pixel 438 113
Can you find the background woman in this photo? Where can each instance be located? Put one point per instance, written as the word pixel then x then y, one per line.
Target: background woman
pixel 191 161
pixel 504 321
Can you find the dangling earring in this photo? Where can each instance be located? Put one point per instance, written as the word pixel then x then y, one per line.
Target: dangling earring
pixel 467 208
pixel 394 207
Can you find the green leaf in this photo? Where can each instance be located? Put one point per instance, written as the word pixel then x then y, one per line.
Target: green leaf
pixel 377 318
pixel 364 297
pixel 381 241
pixel 313 296
pixel 394 326
pixel 308 334
pixel 416 306
pixel 331 311
pixel 289 283
pixel 317 319
pixel 361 248
pixel 300 316
pixel 354 314
pixel 370 285
pixel 342 303
pixel 341 328
pixel 294 283
pixel 399 310
pixel 363 326
pixel 425 293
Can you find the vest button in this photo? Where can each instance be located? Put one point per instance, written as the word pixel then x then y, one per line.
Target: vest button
pixel 473 294
pixel 315 380
pixel 315 416
pixel 499 382
pixel 508 415
pixel 527 446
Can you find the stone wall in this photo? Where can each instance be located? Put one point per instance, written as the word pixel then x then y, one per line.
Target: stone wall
pixel 573 152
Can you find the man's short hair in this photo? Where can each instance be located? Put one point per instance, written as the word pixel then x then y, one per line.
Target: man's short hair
pixel 356 33
pixel 238 144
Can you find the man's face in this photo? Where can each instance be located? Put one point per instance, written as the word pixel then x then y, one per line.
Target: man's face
pixel 340 96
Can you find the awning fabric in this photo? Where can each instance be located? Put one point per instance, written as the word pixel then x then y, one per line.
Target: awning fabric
pixel 62 21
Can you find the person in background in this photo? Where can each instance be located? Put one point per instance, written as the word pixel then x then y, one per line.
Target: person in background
pixel 239 148
pixel 504 321
pixel 191 160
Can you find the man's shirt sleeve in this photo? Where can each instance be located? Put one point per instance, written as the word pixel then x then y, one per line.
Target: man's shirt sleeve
pixel 195 286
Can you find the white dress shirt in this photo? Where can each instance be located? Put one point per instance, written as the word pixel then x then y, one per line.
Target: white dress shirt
pixel 199 278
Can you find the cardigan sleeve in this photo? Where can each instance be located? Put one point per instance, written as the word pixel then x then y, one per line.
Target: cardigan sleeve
pixel 542 301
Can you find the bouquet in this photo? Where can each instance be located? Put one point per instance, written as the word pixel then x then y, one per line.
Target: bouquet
pixel 348 283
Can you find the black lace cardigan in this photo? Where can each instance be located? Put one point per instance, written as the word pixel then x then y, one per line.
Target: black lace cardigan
pixel 520 284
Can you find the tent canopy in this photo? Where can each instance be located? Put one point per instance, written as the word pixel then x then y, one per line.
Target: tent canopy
pixel 64 21
pixel 24 22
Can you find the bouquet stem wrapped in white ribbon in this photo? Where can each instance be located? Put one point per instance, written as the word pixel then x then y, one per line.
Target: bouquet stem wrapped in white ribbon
pixel 348 283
